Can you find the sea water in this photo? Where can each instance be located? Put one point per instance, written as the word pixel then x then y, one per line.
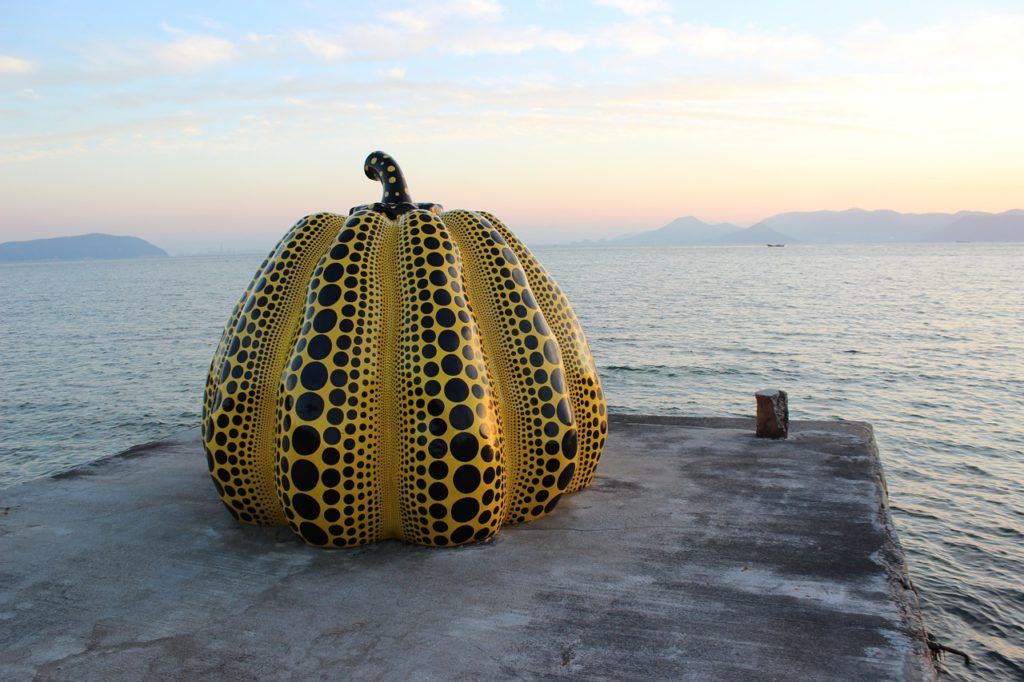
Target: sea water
pixel 926 342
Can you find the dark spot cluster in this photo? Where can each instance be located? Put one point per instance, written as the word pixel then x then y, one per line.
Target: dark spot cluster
pixel 585 393
pixel 354 393
pixel 329 433
pixel 242 384
pixel 452 478
pixel 526 361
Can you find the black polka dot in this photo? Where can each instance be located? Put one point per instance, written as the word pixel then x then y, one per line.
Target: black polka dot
pixel 305 506
pixel 451 364
pixel 329 295
pixel 466 479
pixel 540 324
pixel 445 317
pixel 456 390
pixel 465 509
pixel 438 448
pixel 464 447
pixel 448 340
pixel 305 440
pixel 309 406
pixel 558 380
pixel 439 470
pixel 304 474
pixel 462 533
pixel 566 476
pixel 551 351
pixel 325 320
pixel 314 376
pixel 564 412
pixel 319 347
pixel 569 444
pixel 312 533
pixel 334 271
pixel 331 478
pixel 461 417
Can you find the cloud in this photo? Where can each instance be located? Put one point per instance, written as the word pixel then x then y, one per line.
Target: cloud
pixel 649 37
pixel 976 46
pixel 424 16
pixel 411 20
pixel 194 52
pixel 14 65
pixel 183 53
pixel 707 41
pixel 563 41
pixel 329 50
pixel 515 42
pixel 206 22
pixel 488 10
pixel 636 7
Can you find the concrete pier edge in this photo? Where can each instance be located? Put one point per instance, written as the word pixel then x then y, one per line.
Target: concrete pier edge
pixel 889 556
pixel 893 558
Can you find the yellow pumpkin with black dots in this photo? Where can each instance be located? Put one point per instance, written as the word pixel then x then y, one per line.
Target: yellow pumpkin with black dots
pixel 401 372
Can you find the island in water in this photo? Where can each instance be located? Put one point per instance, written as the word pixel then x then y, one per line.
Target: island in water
pixel 80 247
pixel 853 226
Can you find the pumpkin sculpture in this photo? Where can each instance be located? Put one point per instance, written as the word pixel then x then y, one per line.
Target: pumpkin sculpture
pixel 402 372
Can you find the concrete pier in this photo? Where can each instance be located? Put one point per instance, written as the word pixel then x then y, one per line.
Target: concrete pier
pixel 700 552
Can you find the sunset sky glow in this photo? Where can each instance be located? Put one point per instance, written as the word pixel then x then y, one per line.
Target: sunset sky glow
pixel 199 124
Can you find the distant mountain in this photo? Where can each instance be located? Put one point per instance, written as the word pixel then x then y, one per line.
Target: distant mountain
pixel 80 247
pixel 756 234
pixel 854 226
pixel 859 226
pixel 985 227
pixel 688 230
pixel 681 231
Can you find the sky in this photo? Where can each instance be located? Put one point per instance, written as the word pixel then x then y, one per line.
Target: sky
pixel 203 125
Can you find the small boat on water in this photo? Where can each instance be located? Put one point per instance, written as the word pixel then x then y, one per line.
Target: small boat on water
pixel 775 246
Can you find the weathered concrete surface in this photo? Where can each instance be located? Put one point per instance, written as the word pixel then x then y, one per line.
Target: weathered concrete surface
pixel 700 552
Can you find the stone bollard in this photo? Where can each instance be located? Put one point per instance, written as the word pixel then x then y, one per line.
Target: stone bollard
pixel 772 413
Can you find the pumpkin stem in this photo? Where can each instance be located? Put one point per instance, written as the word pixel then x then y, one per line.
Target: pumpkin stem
pixel 383 168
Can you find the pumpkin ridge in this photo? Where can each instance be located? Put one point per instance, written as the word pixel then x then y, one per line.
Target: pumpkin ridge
pixel 581 373
pixel 389 357
pixel 330 426
pixel 452 482
pixel 536 410
pixel 242 417
pixel 497 369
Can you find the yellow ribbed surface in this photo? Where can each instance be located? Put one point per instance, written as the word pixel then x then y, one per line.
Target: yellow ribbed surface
pixel 239 413
pixel 525 359
pixel 419 378
pixel 584 385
